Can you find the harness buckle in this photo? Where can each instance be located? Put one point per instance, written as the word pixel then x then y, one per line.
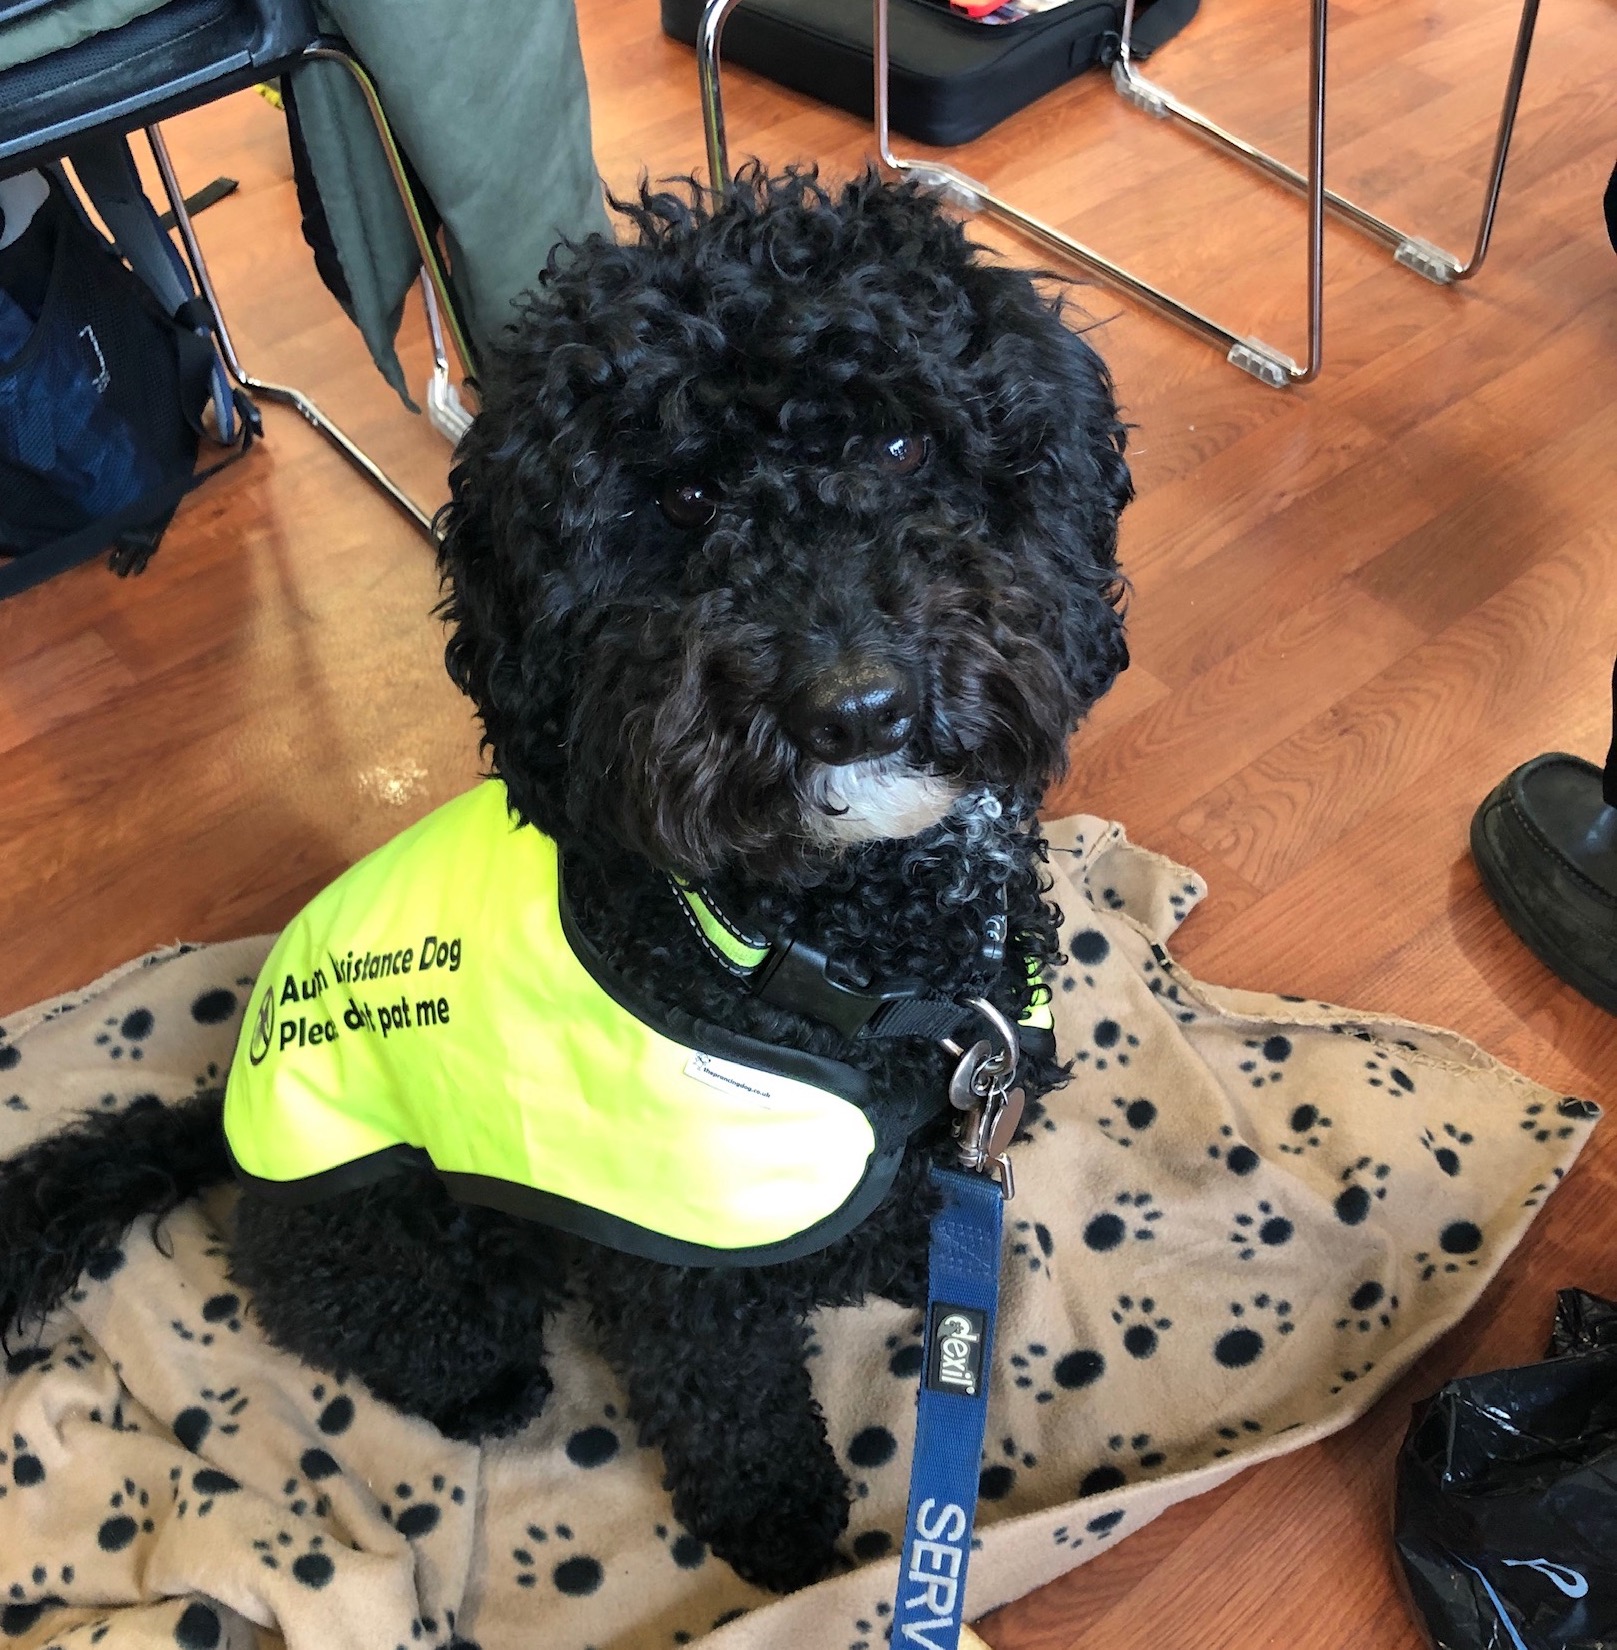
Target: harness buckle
pixel 795 977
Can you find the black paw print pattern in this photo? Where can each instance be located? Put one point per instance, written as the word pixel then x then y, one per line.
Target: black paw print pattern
pixel 1132 1218
pixel 870 1449
pixel 218 1311
pixel 1087 949
pixel 1102 1525
pixel 869 1633
pixel 215 1007
pixel 1142 1327
pixel 73 1352
pixel 419 1511
pixel 127 1518
pixel 575 1574
pixel 196 1421
pixel 1539 1192
pixel 310 1567
pixel 1113 1046
pixel 1232 1432
pixel 997 1478
pixel 594 1446
pixel 1032 1244
pixel 1027 1374
pixel 1133 1117
pixel 17 1617
pixel 1362 1182
pixel 1269 1054
pixel 1255 1319
pixel 303 1493
pixel 1162 984
pixel 336 1411
pixel 207 1484
pixel 1308 1125
pixel 1457 1246
pixel 1236 1156
pixel 1071 1372
pixel 19 1614
pixel 1538 1122
pixel 871 1544
pixel 686 1550
pixel 1346 1377
pixel 1263 1227
pixel 124 1035
pixel 1445 1147
pixel 1369 1307
pixel 905 1354
pixel 1139 1453
pixel 1381 1073
pixel 27 1470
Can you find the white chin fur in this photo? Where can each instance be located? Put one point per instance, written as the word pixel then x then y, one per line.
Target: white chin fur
pixel 869 801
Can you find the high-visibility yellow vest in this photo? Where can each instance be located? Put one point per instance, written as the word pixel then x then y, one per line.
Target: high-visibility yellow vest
pixel 434 1005
pixel 428 1005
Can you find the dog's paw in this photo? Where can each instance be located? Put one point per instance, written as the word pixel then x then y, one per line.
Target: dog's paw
pixel 779 1532
pixel 784 1548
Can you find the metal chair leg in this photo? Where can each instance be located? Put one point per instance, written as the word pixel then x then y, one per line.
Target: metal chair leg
pixel 446 412
pixel 432 263
pixel 281 393
pixel 1269 365
pixel 1413 251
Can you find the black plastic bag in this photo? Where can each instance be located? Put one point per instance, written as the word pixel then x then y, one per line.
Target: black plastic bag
pixel 1506 1516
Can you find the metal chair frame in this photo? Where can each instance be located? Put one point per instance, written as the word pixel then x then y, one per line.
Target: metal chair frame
pixel 438 298
pixel 1264 362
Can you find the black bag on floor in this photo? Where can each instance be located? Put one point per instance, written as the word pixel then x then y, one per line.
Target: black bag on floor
pixel 1506 1518
pixel 105 372
pixel 951 78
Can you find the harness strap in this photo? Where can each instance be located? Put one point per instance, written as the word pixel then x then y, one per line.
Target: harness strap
pixel 795 976
pixel 952 1412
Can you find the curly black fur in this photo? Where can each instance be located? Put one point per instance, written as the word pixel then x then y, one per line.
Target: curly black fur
pixel 636 682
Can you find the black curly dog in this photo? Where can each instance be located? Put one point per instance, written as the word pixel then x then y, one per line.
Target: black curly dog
pixel 783 556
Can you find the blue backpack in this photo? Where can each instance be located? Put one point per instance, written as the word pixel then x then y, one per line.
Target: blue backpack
pixel 106 369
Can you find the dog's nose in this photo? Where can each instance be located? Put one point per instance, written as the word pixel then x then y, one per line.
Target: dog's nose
pixel 860 708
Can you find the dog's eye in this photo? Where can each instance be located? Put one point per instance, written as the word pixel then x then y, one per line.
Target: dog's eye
pixel 689 504
pixel 901 455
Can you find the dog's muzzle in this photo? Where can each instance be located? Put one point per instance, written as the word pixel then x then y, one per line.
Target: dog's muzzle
pixel 870 801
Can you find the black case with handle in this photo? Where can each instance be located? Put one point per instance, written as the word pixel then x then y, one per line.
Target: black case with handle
pixel 952 78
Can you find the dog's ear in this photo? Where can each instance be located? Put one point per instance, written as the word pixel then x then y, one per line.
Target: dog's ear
pixel 494 604
pixel 1048 417
pixel 1052 406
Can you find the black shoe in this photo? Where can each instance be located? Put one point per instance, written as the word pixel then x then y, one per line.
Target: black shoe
pixel 1545 842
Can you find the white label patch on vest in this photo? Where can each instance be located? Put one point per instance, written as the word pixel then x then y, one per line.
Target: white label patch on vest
pixel 728 1077
pixel 955 1349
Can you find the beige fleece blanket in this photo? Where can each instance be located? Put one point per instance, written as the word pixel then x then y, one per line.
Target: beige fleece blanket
pixel 1239 1222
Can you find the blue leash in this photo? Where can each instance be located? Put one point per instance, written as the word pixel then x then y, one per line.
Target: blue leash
pixel 962 1297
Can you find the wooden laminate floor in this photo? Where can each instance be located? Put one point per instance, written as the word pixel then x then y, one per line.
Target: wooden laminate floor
pixel 1355 607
